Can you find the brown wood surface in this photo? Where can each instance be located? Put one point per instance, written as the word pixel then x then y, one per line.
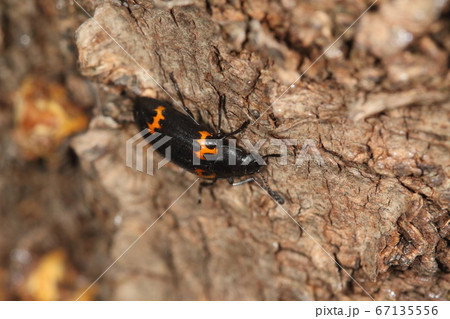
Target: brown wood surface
pixel 376 105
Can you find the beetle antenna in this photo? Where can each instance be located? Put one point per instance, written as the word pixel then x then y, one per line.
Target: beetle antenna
pixel 271 192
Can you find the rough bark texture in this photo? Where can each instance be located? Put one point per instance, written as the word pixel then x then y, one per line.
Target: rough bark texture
pixel 376 105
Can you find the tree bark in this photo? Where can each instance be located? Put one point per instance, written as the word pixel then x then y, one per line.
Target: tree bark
pixel 373 215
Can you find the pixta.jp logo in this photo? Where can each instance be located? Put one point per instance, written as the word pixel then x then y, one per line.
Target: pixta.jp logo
pixel 139 155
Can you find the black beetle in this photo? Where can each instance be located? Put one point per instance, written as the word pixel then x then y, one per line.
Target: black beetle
pixel 196 147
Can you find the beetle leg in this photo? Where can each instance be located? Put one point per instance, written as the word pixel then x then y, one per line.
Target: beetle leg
pixel 248 180
pixel 180 96
pixel 271 155
pixel 243 127
pixel 206 184
pixel 222 102
pixel 277 197
pixel 221 110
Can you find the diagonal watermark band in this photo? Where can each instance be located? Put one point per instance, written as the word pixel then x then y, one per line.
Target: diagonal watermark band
pixel 135 241
pixel 321 247
pixel 315 61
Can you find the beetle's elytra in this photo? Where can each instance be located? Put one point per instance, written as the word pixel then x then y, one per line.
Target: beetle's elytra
pixel 191 143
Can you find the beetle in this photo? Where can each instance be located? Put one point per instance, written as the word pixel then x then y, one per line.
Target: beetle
pixel 195 147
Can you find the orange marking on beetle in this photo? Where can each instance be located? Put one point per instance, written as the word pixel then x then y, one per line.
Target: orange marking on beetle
pixel 201 173
pixel 156 119
pixel 203 148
